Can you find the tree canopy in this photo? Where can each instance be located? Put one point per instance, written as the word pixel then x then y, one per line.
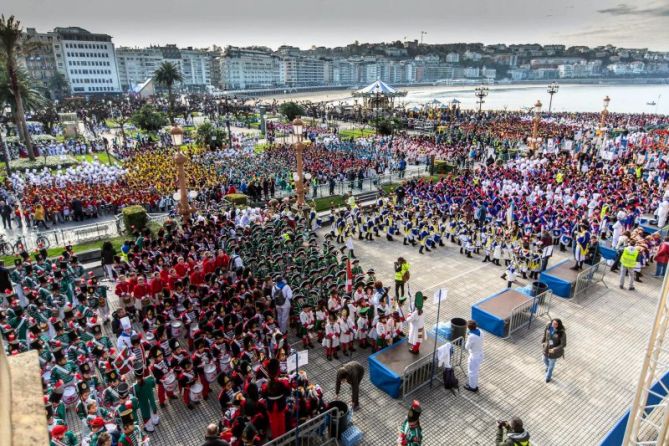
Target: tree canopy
pixel 291 110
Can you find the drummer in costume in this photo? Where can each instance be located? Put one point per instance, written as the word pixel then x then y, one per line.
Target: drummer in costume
pixel 132 434
pixel 60 436
pixel 164 374
pixel 144 390
pixel 416 321
pixel 201 357
pixel 125 401
pixel 411 433
pixel 582 247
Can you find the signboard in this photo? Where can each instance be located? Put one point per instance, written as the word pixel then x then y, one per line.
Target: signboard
pixel 440 295
pixel 300 358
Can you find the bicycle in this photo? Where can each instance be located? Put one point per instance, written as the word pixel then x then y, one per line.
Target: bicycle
pixel 5 247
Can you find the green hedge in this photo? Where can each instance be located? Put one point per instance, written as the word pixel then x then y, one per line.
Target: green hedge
pixel 135 218
pixel 442 167
pixel 239 199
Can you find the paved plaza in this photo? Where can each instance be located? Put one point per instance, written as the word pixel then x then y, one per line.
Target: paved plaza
pixel 592 385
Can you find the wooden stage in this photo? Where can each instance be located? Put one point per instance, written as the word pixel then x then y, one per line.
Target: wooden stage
pixel 397 356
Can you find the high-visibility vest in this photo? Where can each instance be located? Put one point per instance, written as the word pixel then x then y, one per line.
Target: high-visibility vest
pixel 559 178
pixel 639 170
pixel 628 259
pixel 351 202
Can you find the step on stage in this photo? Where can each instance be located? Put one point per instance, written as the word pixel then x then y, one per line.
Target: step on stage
pixel 561 279
pixel 387 366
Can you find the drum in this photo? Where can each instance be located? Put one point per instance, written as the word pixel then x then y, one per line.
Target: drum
pixel 170 382
pixel 111 427
pixel 70 396
pixel 210 372
pixel 47 376
pixel 193 328
pixel 196 392
pixel 122 362
pixel 224 363
pixel 177 328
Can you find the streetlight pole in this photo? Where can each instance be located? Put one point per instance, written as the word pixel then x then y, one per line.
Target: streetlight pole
pixel 481 92
pixel 552 89
pixel 605 112
pixel 535 126
pixel 184 208
pixel 298 126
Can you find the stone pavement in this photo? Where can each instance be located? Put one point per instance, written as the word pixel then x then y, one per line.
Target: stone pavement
pixel 591 388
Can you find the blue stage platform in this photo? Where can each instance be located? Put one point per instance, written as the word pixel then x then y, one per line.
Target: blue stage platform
pixel 560 278
pixel 492 313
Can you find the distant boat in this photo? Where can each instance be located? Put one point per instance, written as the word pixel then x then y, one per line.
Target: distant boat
pixel 651 103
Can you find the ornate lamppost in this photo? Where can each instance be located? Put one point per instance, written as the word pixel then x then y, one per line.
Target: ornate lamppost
pixel 298 127
pixel 552 89
pixel 481 92
pixel 535 140
pixel 605 111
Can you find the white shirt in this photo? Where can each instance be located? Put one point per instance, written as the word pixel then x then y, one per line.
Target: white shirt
pixel 474 344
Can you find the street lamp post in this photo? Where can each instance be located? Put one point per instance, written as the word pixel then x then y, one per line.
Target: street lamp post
pixel 605 112
pixel 184 207
pixel 298 127
pixel 481 92
pixel 552 89
pixel 535 126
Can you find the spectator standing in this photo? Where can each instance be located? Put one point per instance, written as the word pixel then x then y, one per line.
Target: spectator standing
pixel 474 347
pixel 628 261
pixel 107 259
pixel 661 258
pixel 6 213
pixel 212 437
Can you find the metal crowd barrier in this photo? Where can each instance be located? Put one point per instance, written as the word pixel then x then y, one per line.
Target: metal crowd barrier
pixel 588 278
pixel 313 432
pixel 417 374
pixel 523 314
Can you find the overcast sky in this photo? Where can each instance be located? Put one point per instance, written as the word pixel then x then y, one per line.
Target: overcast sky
pixel 303 23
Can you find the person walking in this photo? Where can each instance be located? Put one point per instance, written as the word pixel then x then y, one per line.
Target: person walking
pixel 401 276
pixel 628 261
pixel 554 343
pixel 474 347
pixel 352 372
pixel 661 258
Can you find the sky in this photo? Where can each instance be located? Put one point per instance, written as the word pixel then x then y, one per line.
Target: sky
pixel 303 23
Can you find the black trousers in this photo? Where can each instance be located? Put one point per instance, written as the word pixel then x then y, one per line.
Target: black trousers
pixel 399 286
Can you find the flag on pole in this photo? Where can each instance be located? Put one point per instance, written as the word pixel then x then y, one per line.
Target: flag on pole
pixel 349 277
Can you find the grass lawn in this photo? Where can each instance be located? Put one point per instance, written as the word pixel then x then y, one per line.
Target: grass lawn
pixel 88 246
pixel 101 156
pixel 356 133
pixel 325 203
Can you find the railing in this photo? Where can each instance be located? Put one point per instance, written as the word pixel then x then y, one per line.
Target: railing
pixel 417 374
pixel 588 278
pixel 523 314
pixel 313 432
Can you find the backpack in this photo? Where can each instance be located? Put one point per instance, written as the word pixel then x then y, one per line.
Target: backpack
pixel 278 297
pixel 450 381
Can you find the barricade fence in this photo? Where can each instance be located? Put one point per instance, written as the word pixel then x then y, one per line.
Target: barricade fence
pixel 417 374
pixel 523 314
pixel 313 432
pixel 588 278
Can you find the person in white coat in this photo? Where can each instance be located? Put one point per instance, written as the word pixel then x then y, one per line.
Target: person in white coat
pixel 474 347
pixel 662 211
pixel 416 320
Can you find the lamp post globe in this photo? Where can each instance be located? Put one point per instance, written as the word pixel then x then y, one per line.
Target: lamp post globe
pixel 177 135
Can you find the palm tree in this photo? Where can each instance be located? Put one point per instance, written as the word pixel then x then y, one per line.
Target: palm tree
pixel 32 98
pixel 168 74
pixel 10 41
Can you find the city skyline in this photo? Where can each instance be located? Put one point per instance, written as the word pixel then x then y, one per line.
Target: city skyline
pixel 642 24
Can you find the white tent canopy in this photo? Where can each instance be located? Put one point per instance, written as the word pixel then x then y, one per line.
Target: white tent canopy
pixel 377 87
